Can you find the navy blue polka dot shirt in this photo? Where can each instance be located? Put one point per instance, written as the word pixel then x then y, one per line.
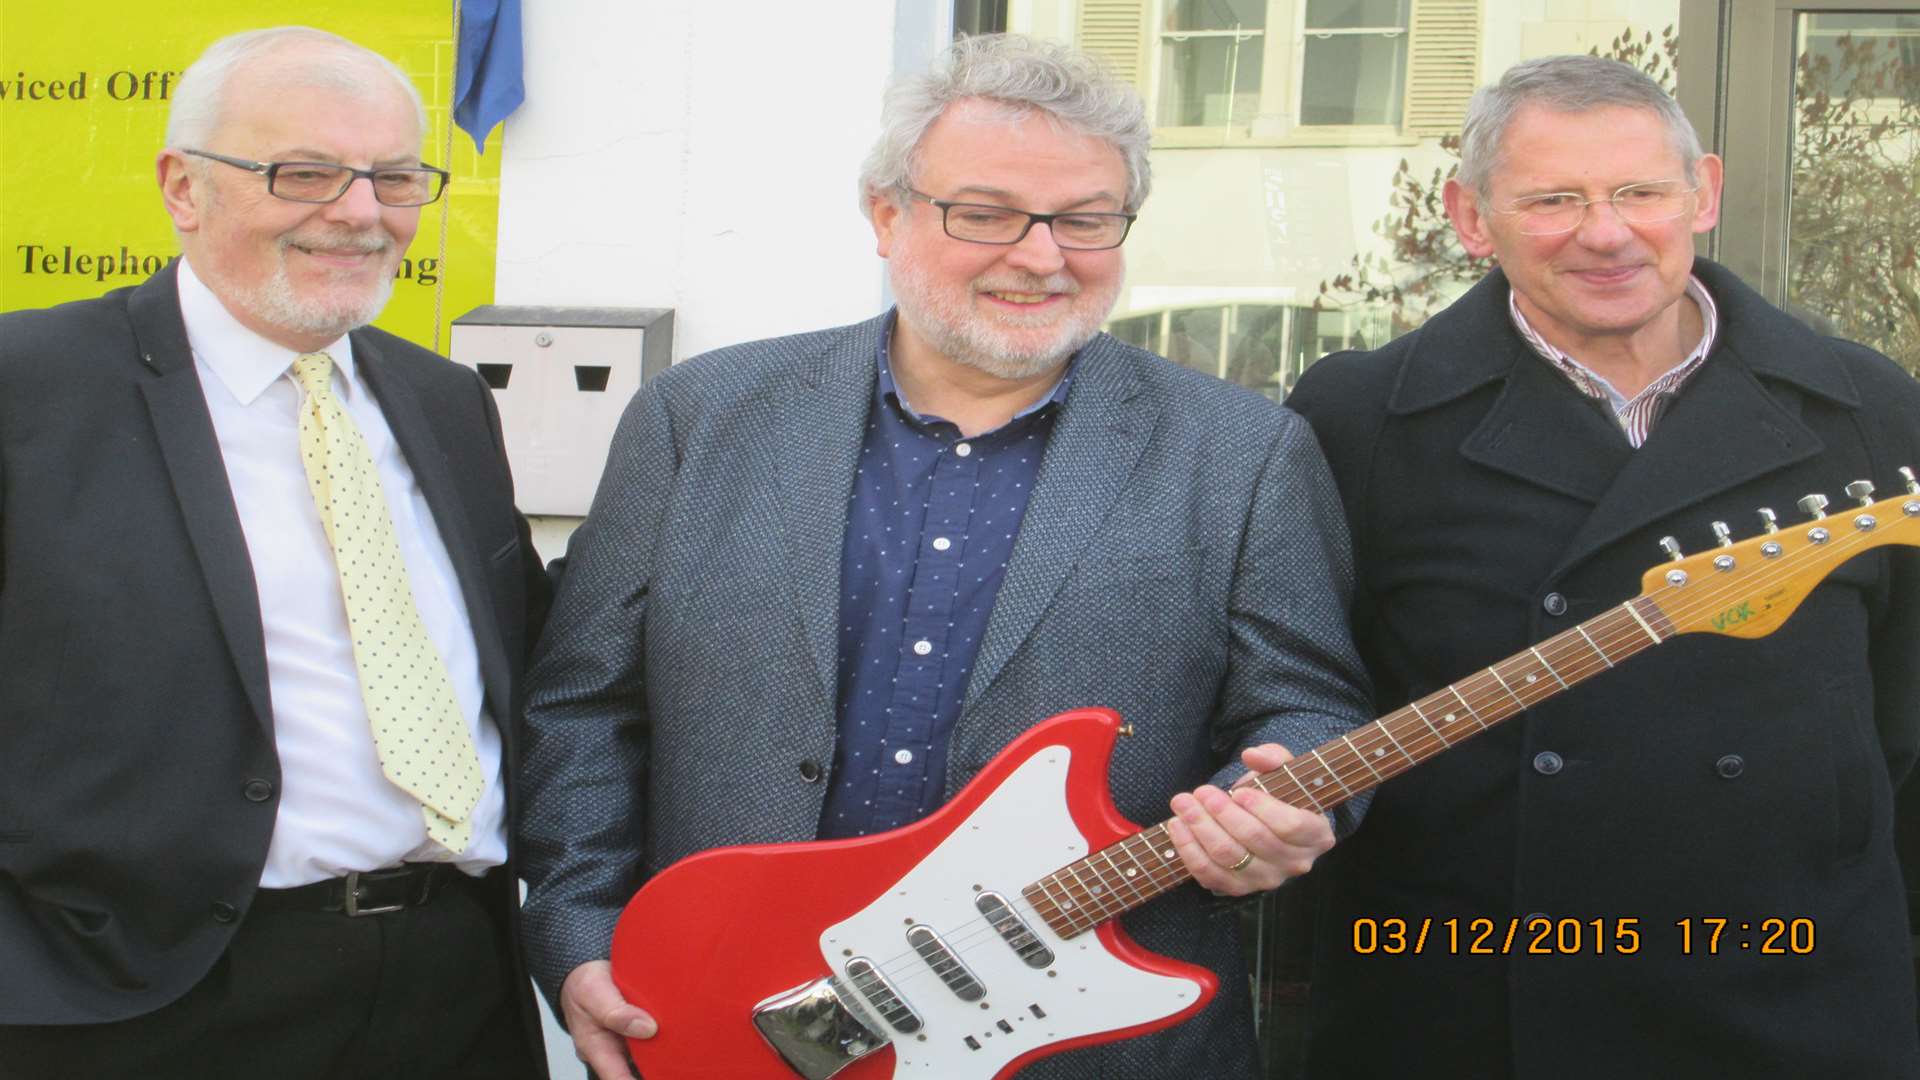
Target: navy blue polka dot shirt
pixel 930 526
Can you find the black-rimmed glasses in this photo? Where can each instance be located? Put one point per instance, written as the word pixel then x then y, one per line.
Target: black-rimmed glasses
pixel 323 182
pixel 1076 230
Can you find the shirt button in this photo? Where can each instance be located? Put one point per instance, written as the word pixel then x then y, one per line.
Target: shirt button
pixel 1554 603
pixel 904 757
pixel 1546 763
pixel 941 543
pixel 963 449
pixel 257 790
pixel 224 912
pixel 1730 766
pixel 922 647
pixel 810 771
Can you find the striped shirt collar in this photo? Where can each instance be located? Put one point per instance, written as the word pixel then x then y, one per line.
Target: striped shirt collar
pixel 1635 415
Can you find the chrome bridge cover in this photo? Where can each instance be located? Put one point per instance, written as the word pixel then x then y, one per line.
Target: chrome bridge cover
pixel 817 1028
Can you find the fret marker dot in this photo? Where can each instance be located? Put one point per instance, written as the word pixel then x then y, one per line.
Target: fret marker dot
pixel 1319 780
pixel 1380 753
pixel 1533 678
pixel 1447 719
pixel 1131 871
pixel 1167 854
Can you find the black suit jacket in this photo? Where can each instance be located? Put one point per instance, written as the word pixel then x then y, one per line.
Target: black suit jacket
pixel 1493 506
pixel 134 711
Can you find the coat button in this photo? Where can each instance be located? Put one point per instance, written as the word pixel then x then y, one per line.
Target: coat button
pixel 1730 766
pixel 224 912
pixel 257 790
pixel 810 772
pixel 1546 763
pixel 1554 603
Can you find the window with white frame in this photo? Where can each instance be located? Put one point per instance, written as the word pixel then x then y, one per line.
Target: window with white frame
pixel 1353 64
pixel 1212 59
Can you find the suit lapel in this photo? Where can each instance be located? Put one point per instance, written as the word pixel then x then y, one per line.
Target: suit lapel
pixel 414 433
pixel 823 417
pixel 183 429
pixel 1103 426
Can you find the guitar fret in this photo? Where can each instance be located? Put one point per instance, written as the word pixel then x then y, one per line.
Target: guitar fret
pixel 1312 803
pixel 1363 758
pixel 1469 708
pixel 1595 648
pixel 1495 672
pixel 1549 667
pixel 1419 712
pixel 1635 612
pixel 1387 730
pixel 1331 773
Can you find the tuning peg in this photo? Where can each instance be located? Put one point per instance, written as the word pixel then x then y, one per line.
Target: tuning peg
pixel 1815 505
pixel 1913 485
pixel 1770 520
pixel 1862 490
pixel 1672 547
pixel 1723 534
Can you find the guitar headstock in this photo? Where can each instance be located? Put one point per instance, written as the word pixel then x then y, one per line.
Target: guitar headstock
pixel 1748 588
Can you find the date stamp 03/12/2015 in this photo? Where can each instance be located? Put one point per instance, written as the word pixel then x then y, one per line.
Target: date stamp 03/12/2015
pixel 1539 935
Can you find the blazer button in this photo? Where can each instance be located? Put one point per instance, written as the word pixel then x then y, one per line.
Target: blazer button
pixel 1554 603
pixel 257 790
pixel 1730 766
pixel 810 771
pixel 1546 763
pixel 224 912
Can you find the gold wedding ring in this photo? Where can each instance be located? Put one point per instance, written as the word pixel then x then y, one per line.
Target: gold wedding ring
pixel 1242 864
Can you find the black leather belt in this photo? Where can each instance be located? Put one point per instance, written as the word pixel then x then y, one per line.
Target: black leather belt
pixel 365 892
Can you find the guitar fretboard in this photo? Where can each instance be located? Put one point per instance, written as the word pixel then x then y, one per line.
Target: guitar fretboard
pixel 1122 876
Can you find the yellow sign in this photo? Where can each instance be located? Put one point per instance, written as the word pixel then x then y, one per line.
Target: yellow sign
pixel 83 112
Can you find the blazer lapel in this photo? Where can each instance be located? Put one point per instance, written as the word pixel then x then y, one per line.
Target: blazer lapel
pixel 822 421
pixel 183 429
pixel 414 433
pixel 1103 426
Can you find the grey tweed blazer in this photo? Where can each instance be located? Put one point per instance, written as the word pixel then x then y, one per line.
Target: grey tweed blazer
pixel 1183 560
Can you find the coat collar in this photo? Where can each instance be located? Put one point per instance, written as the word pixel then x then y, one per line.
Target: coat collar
pixel 1473 343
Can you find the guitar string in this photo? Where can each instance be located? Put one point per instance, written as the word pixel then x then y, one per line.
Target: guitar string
pixel 1627 633
pixel 1620 638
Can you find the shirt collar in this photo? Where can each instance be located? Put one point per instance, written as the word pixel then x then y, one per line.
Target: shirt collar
pixel 241 359
pixel 1590 382
pixel 886 388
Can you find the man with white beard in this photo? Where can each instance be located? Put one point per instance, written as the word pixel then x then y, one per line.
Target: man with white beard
pixel 827 577
pixel 265 603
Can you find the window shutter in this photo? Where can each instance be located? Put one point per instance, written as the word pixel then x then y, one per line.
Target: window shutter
pixel 1443 61
pixel 1115 31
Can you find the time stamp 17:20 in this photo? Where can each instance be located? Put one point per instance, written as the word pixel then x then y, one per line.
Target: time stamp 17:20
pixel 1538 935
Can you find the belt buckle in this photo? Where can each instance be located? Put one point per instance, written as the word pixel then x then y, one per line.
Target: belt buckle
pixel 353 908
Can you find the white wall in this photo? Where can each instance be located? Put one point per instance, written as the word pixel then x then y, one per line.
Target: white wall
pixel 696 156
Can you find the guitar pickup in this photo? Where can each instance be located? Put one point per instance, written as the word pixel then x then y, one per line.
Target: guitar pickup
pixel 1013 930
pixel 944 963
pixel 880 994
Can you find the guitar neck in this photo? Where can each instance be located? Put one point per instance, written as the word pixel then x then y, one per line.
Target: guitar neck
pixel 1125 875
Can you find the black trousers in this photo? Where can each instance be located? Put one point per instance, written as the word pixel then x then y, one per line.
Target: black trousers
pixel 427 992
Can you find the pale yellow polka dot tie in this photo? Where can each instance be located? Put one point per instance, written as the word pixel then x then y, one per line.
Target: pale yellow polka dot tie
pixel 418 729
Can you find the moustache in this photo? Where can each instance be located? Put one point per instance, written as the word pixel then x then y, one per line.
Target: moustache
pixel 1064 284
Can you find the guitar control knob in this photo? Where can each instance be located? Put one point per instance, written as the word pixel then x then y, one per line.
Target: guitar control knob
pixel 1672 547
pixel 1862 490
pixel 1723 534
pixel 1770 520
pixel 1913 485
pixel 1815 506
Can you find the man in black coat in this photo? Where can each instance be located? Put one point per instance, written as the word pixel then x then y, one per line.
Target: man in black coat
pixel 253 558
pixel 1707 829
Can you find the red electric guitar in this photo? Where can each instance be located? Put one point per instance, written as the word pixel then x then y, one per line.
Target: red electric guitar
pixel 981 938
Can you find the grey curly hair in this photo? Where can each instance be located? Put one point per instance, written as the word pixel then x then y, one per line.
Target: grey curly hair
pixel 1023 74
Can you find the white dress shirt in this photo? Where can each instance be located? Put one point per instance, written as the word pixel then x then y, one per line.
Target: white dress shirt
pixel 338 812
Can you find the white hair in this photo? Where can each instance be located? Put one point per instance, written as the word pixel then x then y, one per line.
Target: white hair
pixel 331 61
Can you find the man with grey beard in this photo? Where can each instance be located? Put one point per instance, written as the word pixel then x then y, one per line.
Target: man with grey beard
pixel 827 577
pixel 265 604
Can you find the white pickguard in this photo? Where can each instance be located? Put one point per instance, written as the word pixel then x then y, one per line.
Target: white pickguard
pixel 1021 833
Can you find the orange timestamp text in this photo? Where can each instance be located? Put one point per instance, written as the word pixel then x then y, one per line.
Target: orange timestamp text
pixel 1538 935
